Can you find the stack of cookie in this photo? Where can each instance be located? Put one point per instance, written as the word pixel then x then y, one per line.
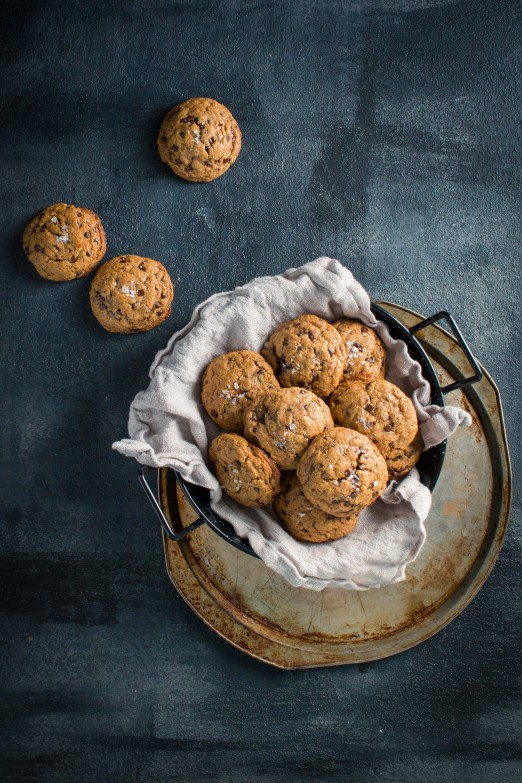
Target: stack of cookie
pixel 319 462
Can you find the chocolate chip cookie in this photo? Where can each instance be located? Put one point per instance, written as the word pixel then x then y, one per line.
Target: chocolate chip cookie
pixel 377 409
pixel 199 139
pixel 305 521
pixel 244 471
pixel 401 461
pixel 366 354
pixel 230 382
pixel 64 242
pixel 131 294
pixel 307 352
pixel 284 421
pixel 342 472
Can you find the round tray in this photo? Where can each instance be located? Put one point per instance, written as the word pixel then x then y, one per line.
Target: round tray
pixel 257 611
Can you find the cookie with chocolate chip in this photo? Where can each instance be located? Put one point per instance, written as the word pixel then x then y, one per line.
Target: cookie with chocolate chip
pixel 341 472
pixel 199 139
pixel 244 471
pixel 131 294
pixel 307 352
pixel 284 421
pixel 401 461
pixel 230 382
pixel 377 409
pixel 64 242
pixel 365 353
pixel 305 521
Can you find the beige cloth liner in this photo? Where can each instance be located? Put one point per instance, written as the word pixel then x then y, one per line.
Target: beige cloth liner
pixel 168 426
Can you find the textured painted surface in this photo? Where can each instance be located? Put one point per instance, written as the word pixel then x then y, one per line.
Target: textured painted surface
pixel 384 133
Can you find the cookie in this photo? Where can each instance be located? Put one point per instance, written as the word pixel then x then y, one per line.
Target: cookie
pixel 342 472
pixel 131 294
pixel 366 355
pixel 245 472
pixel 305 521
pixel 307 352
pixel 64 242
pixel 199 139
pixel 284 421
pixel 401 461
pixel 377 409
pixel 230 382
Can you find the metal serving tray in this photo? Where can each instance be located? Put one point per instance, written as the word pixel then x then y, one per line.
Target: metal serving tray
pixel 257 611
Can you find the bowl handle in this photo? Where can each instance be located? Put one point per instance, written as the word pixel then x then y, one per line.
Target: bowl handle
pixel 167 527
pixel 445 316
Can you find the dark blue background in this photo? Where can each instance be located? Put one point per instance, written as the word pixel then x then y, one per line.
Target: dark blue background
pixel 382 132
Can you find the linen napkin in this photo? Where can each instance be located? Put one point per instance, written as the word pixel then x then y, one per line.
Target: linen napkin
pixel 168 426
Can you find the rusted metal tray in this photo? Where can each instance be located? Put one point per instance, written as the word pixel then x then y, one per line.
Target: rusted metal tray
pixel 257 611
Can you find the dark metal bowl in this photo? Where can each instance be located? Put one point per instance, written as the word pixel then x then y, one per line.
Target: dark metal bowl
pixel 429 465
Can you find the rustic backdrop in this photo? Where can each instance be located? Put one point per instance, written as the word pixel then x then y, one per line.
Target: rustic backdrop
pixel 381 132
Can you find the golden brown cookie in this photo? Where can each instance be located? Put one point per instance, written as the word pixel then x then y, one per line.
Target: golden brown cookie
pixel 64 242
pixel 377 409
pixel 305 521
pixel 230 382
pixel 307 352
pixel 284 421
pixel 342 472
pixel 366 355
pixel 245 472
pixel 199 139
pixel 131 294
pixel 401 461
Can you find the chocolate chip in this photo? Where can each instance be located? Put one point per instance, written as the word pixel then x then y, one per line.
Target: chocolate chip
pixel 141 292
pixel 364 329
pixel 141 266
pixel 39 249
pixel 87 234
pixel 174 147
pixel 213 413
pixel 388 428
pixel 369 408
